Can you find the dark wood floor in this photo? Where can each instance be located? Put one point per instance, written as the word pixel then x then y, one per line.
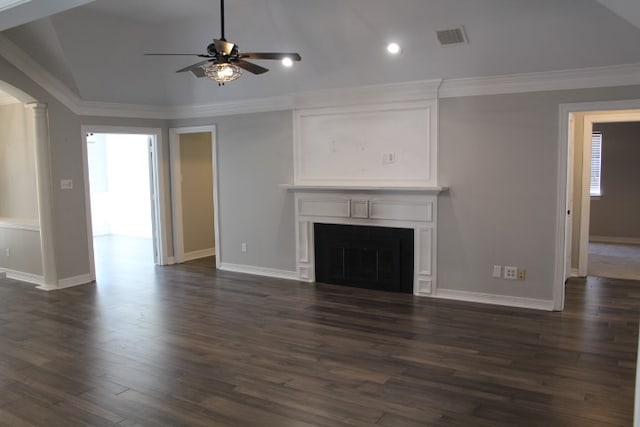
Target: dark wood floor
pixel 186 345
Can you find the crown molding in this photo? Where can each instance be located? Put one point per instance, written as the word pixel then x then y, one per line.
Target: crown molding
pixel 256 105
pixel 618 75
pixel 584 78
pixel 373 94
pixel 23 62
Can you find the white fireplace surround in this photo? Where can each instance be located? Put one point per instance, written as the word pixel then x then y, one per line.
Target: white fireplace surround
pixel 373 165
pixel 412 208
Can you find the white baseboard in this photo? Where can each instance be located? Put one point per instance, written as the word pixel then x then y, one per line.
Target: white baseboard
pixel 532 303
pixel 23 277
pixel 190 256
pixel 259 271
pixel 614 239
pixel 67 283
pixel 574 273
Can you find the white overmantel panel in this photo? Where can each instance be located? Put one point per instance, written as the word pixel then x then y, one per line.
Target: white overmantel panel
pixel 414 209
pixel 388 145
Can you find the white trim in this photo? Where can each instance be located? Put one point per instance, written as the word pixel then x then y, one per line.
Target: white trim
pixel 404 92
pixel 615 240
pixel 583 78
pixel 574 272
pixel 20 224
pixel 34 279
pixel 175 176
pixel 362 188
pixel 160 221
pixel 69 282
pixel 424 176
pixel 259 271
pixel 190 256
pixel 256 105
pixel 45 192
pixel 505 300
pixel 563 165
pixel 176 190
pixel 23 62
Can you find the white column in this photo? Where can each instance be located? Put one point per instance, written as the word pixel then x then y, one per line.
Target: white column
pixel 44 185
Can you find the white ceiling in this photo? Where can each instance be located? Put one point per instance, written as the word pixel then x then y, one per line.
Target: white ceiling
pixel 97 49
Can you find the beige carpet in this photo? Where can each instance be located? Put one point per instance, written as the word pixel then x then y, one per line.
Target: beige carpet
pixel 614 261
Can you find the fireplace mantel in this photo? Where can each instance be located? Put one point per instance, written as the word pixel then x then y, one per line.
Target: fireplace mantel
pixel 402 207
pixel 362 188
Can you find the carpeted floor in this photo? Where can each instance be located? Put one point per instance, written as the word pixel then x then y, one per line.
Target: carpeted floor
pixel 615 261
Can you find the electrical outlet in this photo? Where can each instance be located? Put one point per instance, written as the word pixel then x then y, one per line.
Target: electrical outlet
pixel 497 271
pixel 522 274
pixel 8 252
pixel 510 272
pixel 66 184
pixel 388 158
pixel 243 247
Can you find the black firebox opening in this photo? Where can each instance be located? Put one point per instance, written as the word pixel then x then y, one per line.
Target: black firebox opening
pixel 364 256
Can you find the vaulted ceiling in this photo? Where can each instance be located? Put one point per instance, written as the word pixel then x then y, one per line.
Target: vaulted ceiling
pixel 97 49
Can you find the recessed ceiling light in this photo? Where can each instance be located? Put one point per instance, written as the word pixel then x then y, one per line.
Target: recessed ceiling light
pixel 287 62
pixel 394 48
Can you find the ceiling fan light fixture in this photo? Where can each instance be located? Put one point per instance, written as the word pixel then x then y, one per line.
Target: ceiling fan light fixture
pixel 223 73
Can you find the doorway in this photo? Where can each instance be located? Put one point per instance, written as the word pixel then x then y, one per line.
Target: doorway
pixel 123 198
pixel 576 129
pixel 194 195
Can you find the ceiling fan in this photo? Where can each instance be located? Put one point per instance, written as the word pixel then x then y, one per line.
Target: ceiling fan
pixel 224 62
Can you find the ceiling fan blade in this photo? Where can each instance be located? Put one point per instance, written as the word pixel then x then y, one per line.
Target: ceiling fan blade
pixel 194 66
pixel 272 55
pixel 178 54
pixel 251 67
pixel 198 72
pixel 224 47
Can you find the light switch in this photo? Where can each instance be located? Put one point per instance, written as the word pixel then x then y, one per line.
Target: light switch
pixel 66 184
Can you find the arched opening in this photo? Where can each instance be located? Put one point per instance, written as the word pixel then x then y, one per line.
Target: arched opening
pixel 26 226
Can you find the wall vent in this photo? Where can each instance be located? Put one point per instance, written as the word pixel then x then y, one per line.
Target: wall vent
pixel 452 36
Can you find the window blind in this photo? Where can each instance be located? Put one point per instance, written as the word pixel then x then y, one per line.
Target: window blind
pixel 596 163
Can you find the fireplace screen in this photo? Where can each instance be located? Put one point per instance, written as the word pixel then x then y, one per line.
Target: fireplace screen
pixel 364 256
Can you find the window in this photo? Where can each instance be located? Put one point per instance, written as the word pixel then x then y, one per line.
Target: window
pixel 596 162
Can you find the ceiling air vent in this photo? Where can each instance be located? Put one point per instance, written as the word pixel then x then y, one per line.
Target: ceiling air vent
pixel 452 36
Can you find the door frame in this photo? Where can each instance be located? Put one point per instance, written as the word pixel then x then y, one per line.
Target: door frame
pixel 176 190
pixel 161 256
pixel 598 111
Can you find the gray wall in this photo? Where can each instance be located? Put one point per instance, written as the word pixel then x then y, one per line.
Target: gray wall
pixel 197 191
pixel 18 192
pixel 499 155
pixel 617 212
pixel 255 155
